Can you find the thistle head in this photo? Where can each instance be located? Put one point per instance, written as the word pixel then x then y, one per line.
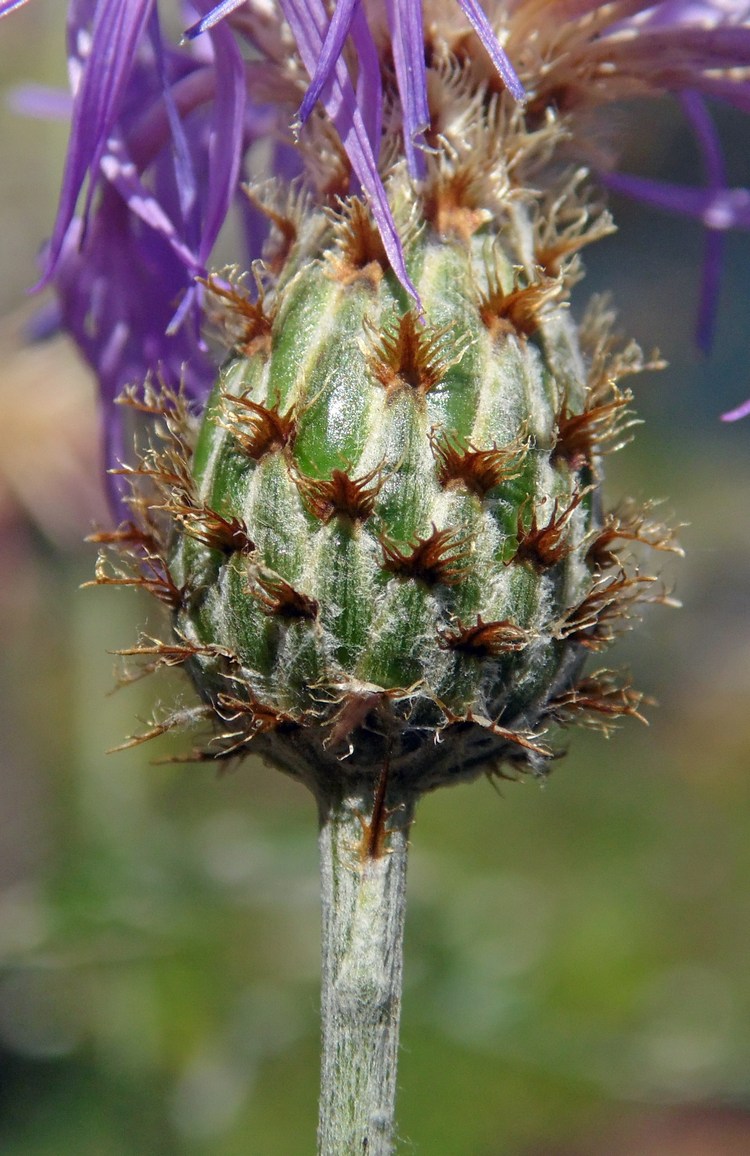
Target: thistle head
pixel 371 497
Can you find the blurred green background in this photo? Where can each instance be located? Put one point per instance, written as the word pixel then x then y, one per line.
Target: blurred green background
pixel 577 976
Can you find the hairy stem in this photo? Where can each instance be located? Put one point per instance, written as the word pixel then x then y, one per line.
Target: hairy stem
pixel 363 851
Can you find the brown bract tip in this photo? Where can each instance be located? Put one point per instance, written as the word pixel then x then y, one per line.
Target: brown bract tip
pixel 608 609
pixel 244 319
pixel 280 598
pixel 180 719
pixel 545 546
pixel 442 557
pixel 155 654
pixel 597 701
pixel 520 310
pixel 602 428
pixel 410 354
pixel 566 223
pixel 285 211
pixel 258 429
pixel 199 521
pixel 256 716
pixel 485 639
pixel 361 253
pixel 128 537
pixel 453 202
pixel 461 463
pixel 630 523
pixel 341 495
pixel 147 572
pixel 526 740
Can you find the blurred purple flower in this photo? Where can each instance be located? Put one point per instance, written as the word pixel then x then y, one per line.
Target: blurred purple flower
pixel 163 136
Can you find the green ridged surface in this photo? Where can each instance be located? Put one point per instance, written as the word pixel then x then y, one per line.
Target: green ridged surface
pixel 374 626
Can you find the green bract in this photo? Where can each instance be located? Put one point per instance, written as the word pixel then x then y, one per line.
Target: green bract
pixel 386 546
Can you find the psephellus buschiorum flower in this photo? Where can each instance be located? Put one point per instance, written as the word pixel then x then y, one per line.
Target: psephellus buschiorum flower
pixel 371 501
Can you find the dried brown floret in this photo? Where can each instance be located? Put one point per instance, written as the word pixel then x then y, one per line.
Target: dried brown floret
pixel 410 354
pixel 485 639
pixel 545 546
pixel 258 429
pixel 442 557
pixel 353 498
pixel 460 463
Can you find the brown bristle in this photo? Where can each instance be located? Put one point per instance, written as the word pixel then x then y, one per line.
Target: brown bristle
pixel 248 323
pixel 286 223
pixel 565 225
pixel 209 527
pixel 258 429
pixel 600 694
pixel 409 354
pixel 442 557
pixel 525 739
pixel 606 610
pixel 149 572
pixel 601 428
pixel 361 252
pixel 545 546
pixel 128 536
pixel 485 639
pixel 160 653
pixel 461 463
pixel 630 523
pixel 256 716
pixel 279 598
pixel 352 498
pixel 521 310
pixel 177 720
pixel 452 203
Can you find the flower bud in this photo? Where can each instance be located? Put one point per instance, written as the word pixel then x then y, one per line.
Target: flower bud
pixel 387 545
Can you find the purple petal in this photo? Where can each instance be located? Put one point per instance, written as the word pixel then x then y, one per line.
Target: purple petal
pixel 307 20
pixel 39 101
pixel 369 83
pixel 8 6
pixel 713 162
pixel 735 414
pixel 407 45
pixel 119 170
pixel 115 35
pixel 226 138
pixel 475 15
pixel 720 209
pixel 217 13
pixel 333 46
pixel 708 302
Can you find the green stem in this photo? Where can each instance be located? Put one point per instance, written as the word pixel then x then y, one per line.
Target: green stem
pixel 363 885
